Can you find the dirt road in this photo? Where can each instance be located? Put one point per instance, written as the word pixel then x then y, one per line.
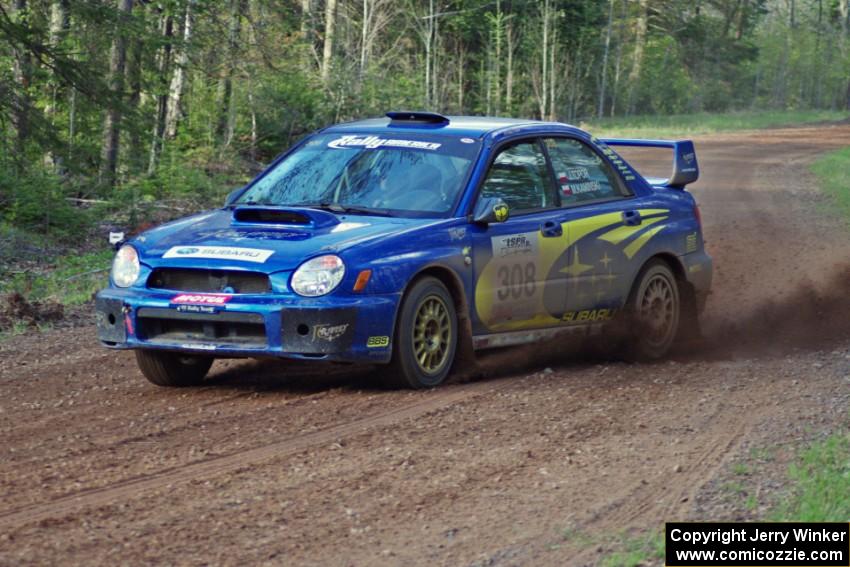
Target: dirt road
pixel 545 461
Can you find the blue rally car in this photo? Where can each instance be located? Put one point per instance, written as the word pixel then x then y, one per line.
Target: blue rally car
pixel 412 241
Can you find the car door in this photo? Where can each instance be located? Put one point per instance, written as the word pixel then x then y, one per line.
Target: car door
pixel 510 257
pixel 605 227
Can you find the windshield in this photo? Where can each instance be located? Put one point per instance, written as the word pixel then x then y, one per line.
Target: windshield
pixel 405 174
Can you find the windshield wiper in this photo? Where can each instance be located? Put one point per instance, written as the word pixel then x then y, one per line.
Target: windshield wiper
pixel 345 209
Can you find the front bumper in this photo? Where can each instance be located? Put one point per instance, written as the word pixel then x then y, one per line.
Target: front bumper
pixel 347 329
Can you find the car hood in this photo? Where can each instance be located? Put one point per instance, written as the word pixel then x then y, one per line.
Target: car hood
pixel 263 239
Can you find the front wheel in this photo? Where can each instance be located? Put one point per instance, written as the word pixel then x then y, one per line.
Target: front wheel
pixel 173 369
pixel 654 308
pixel 425 337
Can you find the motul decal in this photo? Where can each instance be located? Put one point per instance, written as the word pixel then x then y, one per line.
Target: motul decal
pixel 201 299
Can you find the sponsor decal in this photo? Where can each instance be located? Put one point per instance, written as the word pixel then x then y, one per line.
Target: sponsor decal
pixel 467 141
pixel 457 233
pixel 377 342
pixel 588 315
pixel 329 333
pixel 689 157
pixel 576 180
pixel 501 212
pixel 691 243
pixel 373 142
pixel 201 299
pixel 208 309
pixel 198 346
pixel 515 245
pixel 343 226
pixel 257 255
pixel 583 187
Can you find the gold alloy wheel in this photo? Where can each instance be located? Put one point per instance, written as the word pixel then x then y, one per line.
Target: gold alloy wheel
pixel 657 309
pixel 432 334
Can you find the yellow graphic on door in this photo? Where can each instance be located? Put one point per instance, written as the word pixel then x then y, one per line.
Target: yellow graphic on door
pixel 514 290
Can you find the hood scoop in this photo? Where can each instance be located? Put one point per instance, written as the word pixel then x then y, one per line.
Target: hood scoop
pixel 284 216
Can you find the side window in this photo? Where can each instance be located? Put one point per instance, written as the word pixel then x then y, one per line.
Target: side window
pixel 582 174
pixel 520 177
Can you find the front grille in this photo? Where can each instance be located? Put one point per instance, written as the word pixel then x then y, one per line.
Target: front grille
pixel 209 281
pixel 167 326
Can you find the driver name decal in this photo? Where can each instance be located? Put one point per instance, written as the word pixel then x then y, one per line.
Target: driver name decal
pixel 257 255
pixel 373 142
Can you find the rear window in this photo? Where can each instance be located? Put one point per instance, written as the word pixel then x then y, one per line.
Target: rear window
pixel 582 174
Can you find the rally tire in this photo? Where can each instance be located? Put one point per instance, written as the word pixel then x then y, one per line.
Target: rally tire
pixel 654 312
pixel 425 338
pixel 172 369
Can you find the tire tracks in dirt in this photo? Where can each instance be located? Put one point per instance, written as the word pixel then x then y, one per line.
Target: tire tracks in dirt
pixel 207 468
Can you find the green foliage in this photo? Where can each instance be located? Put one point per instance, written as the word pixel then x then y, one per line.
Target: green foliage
pixel 831 171
pixel 635 551
pixel 37 201
pixel 683 125
pixel 69 280
pixel 821 478
pixel 247 82
pixel 665 86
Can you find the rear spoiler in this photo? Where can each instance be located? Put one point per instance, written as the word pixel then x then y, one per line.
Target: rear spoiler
pixel 685 167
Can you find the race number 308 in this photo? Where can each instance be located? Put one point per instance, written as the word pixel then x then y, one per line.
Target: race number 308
pixel 516 281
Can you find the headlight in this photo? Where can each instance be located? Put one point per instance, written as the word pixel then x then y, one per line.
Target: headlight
pixel 318 276
pixel 125 266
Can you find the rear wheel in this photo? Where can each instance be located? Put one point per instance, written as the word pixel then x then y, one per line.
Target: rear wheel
pixel 425 337
pixel 655 309
pixel 173 369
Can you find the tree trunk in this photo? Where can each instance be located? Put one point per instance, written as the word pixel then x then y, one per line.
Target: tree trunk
pixel 637 54
pixel 23 75
pixel 59 24
pixel 134 82
pixel 112 123
pixel 509 72
pixel 461 63
pixel 224 129
pixel 364 42
pixel 328 48
pixel 544 75
pixel 178 78
pixel 601 108
pixel 163 66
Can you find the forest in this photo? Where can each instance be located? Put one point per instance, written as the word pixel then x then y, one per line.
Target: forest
pixel 121 107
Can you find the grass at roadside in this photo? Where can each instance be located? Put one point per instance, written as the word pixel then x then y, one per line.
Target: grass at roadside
pixel 36 295
pixel 831 170
pixel 683 125
pixel 642 550
pixel 69 280
pixel 821 478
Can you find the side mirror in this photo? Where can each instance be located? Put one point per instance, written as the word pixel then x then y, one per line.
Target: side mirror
pixel 491 210
pixel 232 196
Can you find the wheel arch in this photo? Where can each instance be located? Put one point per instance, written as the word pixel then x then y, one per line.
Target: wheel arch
pixel 464 355
pixel 689 319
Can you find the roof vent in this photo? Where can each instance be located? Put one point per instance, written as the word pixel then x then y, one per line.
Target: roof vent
pixel 417 117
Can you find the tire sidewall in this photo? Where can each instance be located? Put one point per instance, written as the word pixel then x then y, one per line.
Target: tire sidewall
pixel 639 346
pixel 404 360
